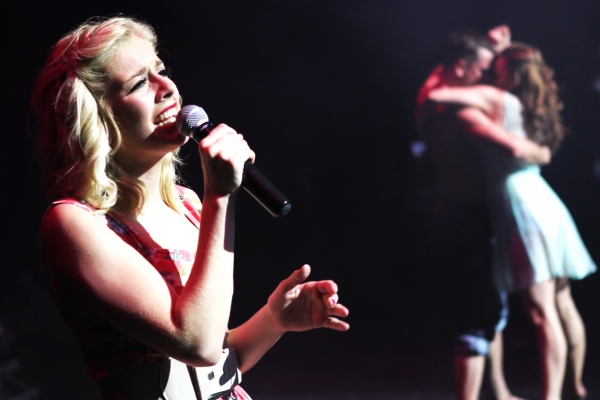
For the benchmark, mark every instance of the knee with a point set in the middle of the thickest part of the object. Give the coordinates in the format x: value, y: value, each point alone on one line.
x: 565, y: 303
x: 540, y: 317
x: 536, y: 315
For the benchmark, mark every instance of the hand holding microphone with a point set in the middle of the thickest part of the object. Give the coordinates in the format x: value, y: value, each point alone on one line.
x: 192, y: 121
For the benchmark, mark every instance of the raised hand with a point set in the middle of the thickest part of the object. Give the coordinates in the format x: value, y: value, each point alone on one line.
x: 223, y: 153
x: 296, y: 305
x: 500, y: 37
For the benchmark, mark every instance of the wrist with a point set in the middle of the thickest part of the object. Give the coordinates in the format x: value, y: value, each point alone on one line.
x: 270, y: 322
x: 212, y: 196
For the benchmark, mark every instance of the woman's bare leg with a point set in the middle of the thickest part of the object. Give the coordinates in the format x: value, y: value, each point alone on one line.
x: 576, y: 338
x: 500, y: 389
x: 540, y: 303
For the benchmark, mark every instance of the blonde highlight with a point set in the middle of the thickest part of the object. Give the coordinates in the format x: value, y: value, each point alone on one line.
x: 79, y: 134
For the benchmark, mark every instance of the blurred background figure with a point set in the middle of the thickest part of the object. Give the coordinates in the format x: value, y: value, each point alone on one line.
x: 461, y: 234
x: 538, y: 248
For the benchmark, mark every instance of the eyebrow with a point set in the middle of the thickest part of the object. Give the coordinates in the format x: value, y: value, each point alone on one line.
x: 142, y: 70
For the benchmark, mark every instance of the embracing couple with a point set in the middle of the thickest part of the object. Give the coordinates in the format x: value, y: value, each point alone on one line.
x: 498, y: 226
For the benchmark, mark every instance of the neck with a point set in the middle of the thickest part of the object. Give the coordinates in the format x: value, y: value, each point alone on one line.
x: 149, y: 175
x: 151, y: 181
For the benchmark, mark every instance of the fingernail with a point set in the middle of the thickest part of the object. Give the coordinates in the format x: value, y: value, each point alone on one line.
x: 332, y: 302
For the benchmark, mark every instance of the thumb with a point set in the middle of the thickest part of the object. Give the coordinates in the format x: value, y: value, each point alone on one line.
x: 297, y: 277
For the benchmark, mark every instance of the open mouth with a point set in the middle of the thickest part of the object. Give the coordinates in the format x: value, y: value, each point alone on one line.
x: 167, y: 117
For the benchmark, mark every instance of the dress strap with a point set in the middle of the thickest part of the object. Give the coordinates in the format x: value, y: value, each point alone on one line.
x: 78, y: 203
x: 75, y: 202
x: 128, y: 234
x: 192, y: 204
x: 188, y: 197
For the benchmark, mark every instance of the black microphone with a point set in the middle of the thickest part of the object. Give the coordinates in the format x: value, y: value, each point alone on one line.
x: 192, y: 121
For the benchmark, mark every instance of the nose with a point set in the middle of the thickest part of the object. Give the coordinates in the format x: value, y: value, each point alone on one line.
x: 165, y: 87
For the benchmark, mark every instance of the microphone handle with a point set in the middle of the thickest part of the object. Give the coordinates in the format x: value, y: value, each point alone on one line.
x: 253, y: 181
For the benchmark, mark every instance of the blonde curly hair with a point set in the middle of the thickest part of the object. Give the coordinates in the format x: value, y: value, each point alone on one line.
x: 538, y: 92
x: 79, y: 134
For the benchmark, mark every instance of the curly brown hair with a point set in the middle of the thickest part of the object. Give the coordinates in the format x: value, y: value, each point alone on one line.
x: 537, y: 90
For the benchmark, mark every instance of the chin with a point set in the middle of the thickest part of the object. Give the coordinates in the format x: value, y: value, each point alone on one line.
x: 170, y: 133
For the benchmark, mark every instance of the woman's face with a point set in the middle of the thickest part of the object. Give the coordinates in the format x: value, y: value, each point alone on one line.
x: 505, y: 78
x: 143, y: 100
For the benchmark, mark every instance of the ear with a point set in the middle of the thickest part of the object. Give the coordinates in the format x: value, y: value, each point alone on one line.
x: 460, y: 68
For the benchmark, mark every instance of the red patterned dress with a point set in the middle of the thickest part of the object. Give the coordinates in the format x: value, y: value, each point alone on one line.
x: 106, y: 349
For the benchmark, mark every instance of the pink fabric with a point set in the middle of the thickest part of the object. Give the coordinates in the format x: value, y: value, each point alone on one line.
x: 240, y: 394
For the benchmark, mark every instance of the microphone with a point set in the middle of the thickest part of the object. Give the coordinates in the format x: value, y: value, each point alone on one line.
x: 192, y: 121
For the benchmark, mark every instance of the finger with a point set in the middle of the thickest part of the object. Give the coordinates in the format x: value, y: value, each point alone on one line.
x: 327, y: 287
x: 213, y: 148
x: 336, y: 324
x: 224, y: 144
x: 338, y: 311
x: 219, y: 131
x: 296, y: 278
x: 330, y: 300
x: 236, y: 151
x: 252, y: 158
x: 244, y: 152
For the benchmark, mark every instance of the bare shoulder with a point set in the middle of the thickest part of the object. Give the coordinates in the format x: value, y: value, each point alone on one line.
x: 494, y: 102
x: 75, y: 243
x: 67, y: 216
x: 69, y: 231
x: 70, y: 224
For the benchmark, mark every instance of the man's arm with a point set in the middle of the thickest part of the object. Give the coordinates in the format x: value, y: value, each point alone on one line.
x: 476, y: 123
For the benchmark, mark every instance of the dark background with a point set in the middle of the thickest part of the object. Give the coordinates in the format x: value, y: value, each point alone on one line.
x: 324, y: 92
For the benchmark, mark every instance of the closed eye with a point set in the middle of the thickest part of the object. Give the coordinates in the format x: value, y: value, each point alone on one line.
x: 166, y: 72
x: 138, y: 85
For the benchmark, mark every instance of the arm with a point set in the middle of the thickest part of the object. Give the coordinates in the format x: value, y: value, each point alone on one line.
x: 84, y: 256
x: 293, y: 306
x: 476, y: 123
x: 487, y: 98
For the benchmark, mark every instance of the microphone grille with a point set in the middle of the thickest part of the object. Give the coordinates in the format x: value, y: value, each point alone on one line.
x: 189, y: 118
